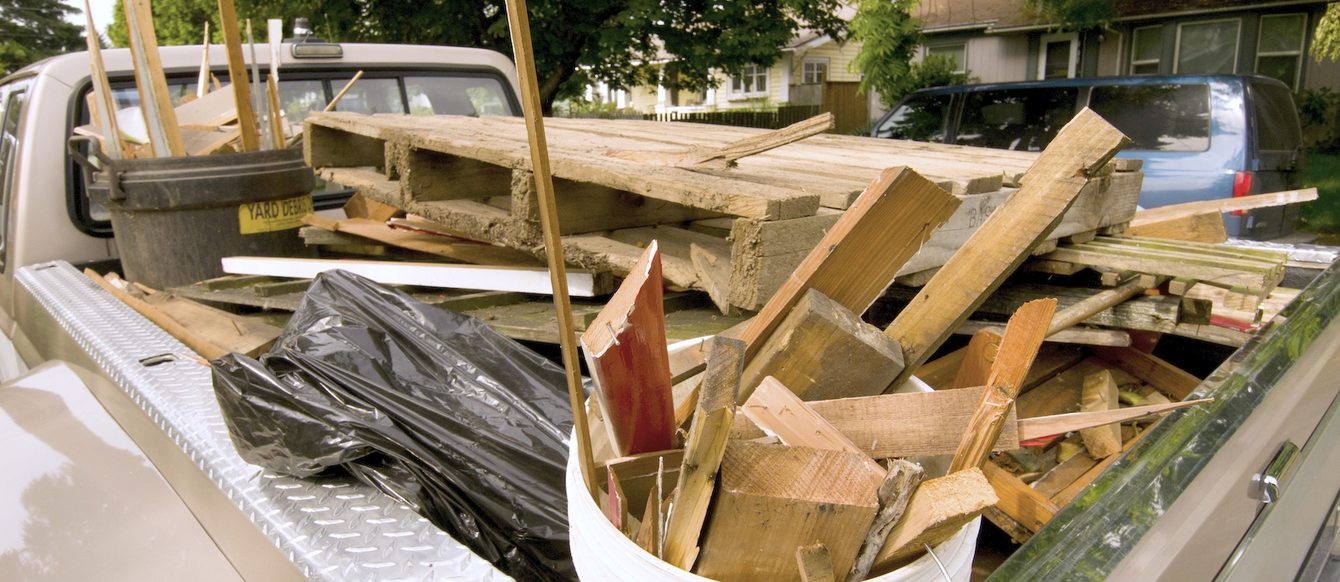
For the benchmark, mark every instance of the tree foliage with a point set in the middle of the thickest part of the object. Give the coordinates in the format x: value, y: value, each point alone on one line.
x: 31, y: 30
x: 624, y: 43
x: 1326, y: 41
x: 889, y: 36
x: 1073, y: 14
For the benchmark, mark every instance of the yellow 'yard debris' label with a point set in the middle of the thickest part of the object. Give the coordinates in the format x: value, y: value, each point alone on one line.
x: 273, y: 215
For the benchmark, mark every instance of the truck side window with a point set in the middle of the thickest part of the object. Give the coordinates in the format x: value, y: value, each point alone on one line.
x: 9, y: 145
x: 1171, y: 118
x: 1015, y: 119
x: 920, y: 118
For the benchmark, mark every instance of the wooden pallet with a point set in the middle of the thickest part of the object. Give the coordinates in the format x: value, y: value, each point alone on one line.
x: 621, y: 183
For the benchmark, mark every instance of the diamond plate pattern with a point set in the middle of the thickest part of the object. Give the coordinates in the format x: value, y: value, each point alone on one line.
x: 332, y: 528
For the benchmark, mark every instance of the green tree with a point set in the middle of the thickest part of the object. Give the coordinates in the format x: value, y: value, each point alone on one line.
x: 31, y: 30
x: 1073, y: 14
x: 889, y: 36
x: 624, y: 43
x: 1326, y: 41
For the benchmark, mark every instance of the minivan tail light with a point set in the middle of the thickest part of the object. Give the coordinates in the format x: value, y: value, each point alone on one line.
x: 1242, y: 186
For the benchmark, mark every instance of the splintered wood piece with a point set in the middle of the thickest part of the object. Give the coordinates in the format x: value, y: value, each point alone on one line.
x: 823, y: 351
x: 1100, y: 395
x: 815, y: 563
x: 626, y: 352
x: 937, y: 510
x: 1100, y: 301
x: 1151, y: 216
x: 978, y: 358
x: 775, y: 498
x: 102, y: 91
x: 894, y: 494
x: 703, y: 449
x: 616, y: 509
x: 1018, y: 347
x: 1043, y: 426
x: 1049, y: 188
x: 232, y: 332
x: 901, y: 425
x: 361, y: 206
x: 1162, y: 376
x: 757, y: 144
x: 237, y: 76
x: 713, y: 271
x: 777, y: 410
x: 1017, y: 500
x: 859, y: 256
x: 160, y: 119
x: 199, y: 345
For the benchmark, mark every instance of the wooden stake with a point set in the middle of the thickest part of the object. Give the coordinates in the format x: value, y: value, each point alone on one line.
x: 1044, y: 426
x: 519, y: 22
x: 237, y: 75
x: 155, y: 103
x: 1023, y: 336
x: 102, y: 91
x: 202, y: 80
x: 345, y: 89
x: 259, y: 102
x: 275, y: 38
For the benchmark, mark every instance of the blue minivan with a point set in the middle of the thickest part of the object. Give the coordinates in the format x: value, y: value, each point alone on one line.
x: 1200, y: 136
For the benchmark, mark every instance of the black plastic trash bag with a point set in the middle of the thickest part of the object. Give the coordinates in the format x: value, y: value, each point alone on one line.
x: 432, y: 407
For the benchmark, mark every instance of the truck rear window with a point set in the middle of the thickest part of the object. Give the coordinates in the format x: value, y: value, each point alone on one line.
x: 1275, y: 118
x: 920, y: 118
x: 1015, y: 119
x: 1173, y: 118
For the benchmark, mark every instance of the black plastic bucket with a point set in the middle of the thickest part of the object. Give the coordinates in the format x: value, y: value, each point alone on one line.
x: 175, y: 218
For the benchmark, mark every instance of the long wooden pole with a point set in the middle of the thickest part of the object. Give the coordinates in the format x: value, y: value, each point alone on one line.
x: 102, y: 91
x: 519, y: 23
x: 237, y: 75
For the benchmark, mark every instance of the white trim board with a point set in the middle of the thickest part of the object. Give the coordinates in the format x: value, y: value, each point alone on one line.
x: 475, y: 277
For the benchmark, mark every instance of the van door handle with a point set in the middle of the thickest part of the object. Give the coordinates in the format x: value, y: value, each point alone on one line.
x: 1276, y: 475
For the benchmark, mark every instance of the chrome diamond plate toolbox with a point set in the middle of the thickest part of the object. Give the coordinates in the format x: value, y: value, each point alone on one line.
x: 332, y: 528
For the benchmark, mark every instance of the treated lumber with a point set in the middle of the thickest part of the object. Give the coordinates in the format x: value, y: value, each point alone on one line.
x: 105, y: 104
x: 775, y: 498
x: 894, y: 494
x: 1043, y: 426
x: 461, y: 250
x: 1017, y: 500
x: 938, y: 509
x: 1100, y: 395
x: 626, y: 352
x: 1018, y: 347
x: 1175, y: 382
x: 703, y: 450
x: 822, y: 351
x: 815, y: 563
x: 237, y: 76
x: 207, y: 349
x: 901, y: 425
x: 480, y: 277
x: 1151, y: 216
x: 160, y: 119
x: 1082, y: 148
x: 777, y: 410
x: 857, y: 259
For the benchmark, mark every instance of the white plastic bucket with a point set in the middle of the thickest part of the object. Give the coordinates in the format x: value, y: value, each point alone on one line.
x: 601, y: 552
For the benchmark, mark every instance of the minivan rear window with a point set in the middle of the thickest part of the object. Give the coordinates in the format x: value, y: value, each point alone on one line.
x: 1275, y: 118
x: 920, y: 118
x: 1015, y: 119
x: 1173, y: 117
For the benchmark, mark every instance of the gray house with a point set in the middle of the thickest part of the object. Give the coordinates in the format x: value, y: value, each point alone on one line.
x: 998, y: 41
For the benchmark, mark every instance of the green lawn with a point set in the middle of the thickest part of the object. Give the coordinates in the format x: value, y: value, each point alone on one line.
x: 1323, y: 172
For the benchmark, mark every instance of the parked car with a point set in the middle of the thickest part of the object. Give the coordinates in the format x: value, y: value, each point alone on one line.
x: 1200, y: 136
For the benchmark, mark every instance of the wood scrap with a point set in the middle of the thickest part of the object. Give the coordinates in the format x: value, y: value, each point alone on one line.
x: 727, y: 155
x: 237, y: 75
x: 703, y: 450
x: 1081, y: 149
x: 461, y: 250
x: 202, y: 79
x: 199, y: 345
x: 1017, y: 500
x: 232, y: 332
x: 1253, y: 270
x: 1152, y: 216
x: 815, y: 563
x: 1018, y: 347
x: 209, y: 112
x: 937, y: 510
x: 822, y: 351
x: 105, y: 105
x: 1100, y: 395
x: 894, y: 495
x: 777, y: 410
x: 1086, y: 308
x: 160, y: 119
x: 1204, y: 228
x: 1042, y: 426
x: 1082, y: 335
x: 360, y: 206
x: 978, y: 358
x: 1158, y: 373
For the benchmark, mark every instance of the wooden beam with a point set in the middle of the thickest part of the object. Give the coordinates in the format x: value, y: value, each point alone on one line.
x: 1044, y: 426
x: 903, y: 479
x: 815, y: 563
x: 1100, y: 395
x: 160, y: 119
x: 102, y: 91
x: 483, y: 278
x: 703, y: 450
x: 1080, y: 150
x: 1018, y: 347
x: 237, y: 76
x: 938, y: 509
x: 1151, y: 216
x: 901, y: 425
x: 857, y: 259
x: 626, y: 352
x: 822, y: 351
x: 1162, y: 376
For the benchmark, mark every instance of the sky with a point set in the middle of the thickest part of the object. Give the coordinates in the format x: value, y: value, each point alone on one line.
x: 102, y: 13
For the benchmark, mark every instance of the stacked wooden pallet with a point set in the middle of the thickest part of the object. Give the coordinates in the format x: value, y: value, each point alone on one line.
x: 731, y: 222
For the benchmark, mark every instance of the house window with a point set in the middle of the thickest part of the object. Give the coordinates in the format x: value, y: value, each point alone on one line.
x: 1279, y: 50
x: 814, y: 71
x: 957, y: 52
x: 1146, y: 44
x: 752, y: 79
x: 1207, y: 47
x: 1058, y: 57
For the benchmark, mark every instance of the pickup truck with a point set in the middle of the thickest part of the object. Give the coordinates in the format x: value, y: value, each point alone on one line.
x: 116, y: 463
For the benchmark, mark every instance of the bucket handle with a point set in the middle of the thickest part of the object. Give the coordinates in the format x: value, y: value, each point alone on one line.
x: 88, y: 168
